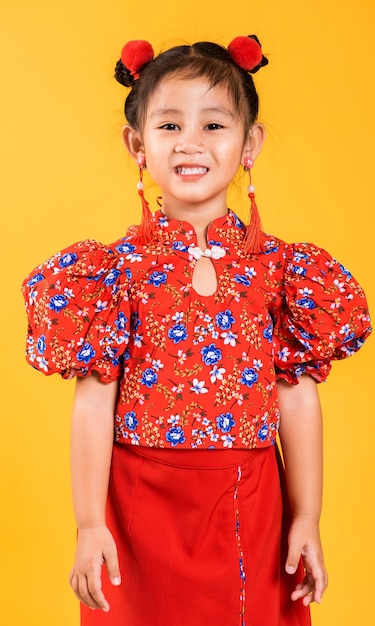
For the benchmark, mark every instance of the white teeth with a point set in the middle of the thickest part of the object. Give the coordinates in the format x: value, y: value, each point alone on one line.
x: 192, y: 171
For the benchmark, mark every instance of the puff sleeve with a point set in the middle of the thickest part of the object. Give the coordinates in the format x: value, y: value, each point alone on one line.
x: 324, y: 315
x: 78, y: 312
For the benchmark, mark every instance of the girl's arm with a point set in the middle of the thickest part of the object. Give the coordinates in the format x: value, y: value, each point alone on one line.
x: 301, y: 440
x: 91, y: 451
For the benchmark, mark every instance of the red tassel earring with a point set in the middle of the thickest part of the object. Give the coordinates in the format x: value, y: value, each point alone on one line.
x: 147, y: 226
x: 253, y: 237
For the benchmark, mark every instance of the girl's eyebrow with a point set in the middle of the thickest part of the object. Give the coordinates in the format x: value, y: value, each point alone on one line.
x: 210, y: 110
x: 219, y: 110
x: 161, y: 112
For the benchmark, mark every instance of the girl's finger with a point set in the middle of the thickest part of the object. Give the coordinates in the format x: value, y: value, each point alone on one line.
x: 80, y: 588
x: 305, y: 589
x: 83, y: 594
x: 94, y: 586
x: 321, y: 584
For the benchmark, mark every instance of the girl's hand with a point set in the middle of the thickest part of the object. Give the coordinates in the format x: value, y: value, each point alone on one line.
x: 304, y: 540
x: 95, y: 546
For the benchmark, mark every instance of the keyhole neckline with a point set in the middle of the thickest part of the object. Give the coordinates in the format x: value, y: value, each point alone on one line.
x: 225, y: 235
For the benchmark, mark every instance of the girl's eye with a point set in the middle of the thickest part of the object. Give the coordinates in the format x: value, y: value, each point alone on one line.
x: 169, y: 126
x: 214, y: 126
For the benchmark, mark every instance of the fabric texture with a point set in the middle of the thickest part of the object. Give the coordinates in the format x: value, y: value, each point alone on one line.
x: 195, y: 371
x: 199, y: 535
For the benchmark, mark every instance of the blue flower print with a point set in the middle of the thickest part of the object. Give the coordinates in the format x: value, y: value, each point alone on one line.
x: 178, y: 333
x: 299, y: 256
x: 349, y: 338
x: 271, y: 247
x: 121, y: 321
x: 225, y: 422
x: 345, y: 271
x: 211, y: 354
x: 128, y: 273
x: 249, y: 376
x: 41, y: 344
x: 109, y: 351
x: 149, y: 377
x: 303, y: 333
x: 237, y: 221
x: 301, y: 369
x: 111, y: 277
x: 35, y: 279
x: 86, y: 353
x: 163, y: 221
x: 175, y: 435
x: 135, y: 321
x: 130, y: 420
x: 179, y: 245
x: 268, y: 333
x: 225, y: 319
x: 263, y: 432
x: 346, y: 332
x: 157, y: 278
x: 242, y: 280
x: 246, y: 278
x: 58, y: 302
x: 125, y: 248
x: 68, y: 259
x: 306, y: 303
x: 96, y: 277
x: 296, y: 269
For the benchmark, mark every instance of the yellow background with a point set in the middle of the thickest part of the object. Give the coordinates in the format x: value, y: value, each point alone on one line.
x: 65, y: 177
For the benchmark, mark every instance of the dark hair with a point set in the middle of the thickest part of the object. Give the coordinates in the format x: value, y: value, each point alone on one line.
x: 202, y: 59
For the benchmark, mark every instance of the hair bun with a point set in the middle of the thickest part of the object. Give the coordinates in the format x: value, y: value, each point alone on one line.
x: 247, y: 53
x: 122, y: 74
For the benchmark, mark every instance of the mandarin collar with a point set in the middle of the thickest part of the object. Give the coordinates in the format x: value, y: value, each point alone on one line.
x: 227, y: 231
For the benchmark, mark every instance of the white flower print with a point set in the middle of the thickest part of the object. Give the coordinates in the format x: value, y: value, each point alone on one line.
x: 229, y: 338
x: 134, y: 257
x: 217, y: 373
x: 227, y: 441
x: 340, y: 286
x: 283, y: 354
x: 198, y: 386
x: 101, y: 306
x: 43, y: 363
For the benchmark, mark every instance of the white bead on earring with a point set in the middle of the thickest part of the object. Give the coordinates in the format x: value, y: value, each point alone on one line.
x: 248, y: 164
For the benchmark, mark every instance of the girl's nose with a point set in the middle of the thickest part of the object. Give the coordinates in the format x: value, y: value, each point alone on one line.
x: 189, y: 143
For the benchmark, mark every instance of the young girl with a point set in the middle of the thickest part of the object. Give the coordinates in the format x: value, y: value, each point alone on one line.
x: 195, y: 340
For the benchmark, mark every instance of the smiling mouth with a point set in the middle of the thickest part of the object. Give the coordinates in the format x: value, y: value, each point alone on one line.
x: 191, y: 171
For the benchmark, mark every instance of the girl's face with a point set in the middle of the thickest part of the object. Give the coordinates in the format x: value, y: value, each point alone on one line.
x: 193, y: 140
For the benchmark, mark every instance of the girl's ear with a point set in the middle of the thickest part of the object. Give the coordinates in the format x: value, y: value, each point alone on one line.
x: 255, y: 141
x: 133, y: 142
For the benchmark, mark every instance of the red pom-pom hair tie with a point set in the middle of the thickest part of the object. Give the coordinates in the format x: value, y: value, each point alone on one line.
x: 247, y: 53
x: 135, y: 54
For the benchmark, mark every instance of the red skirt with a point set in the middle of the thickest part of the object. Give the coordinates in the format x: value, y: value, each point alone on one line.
x: 201, y: 540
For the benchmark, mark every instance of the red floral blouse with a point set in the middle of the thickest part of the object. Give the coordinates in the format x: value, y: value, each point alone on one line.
x: 195, y: 371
